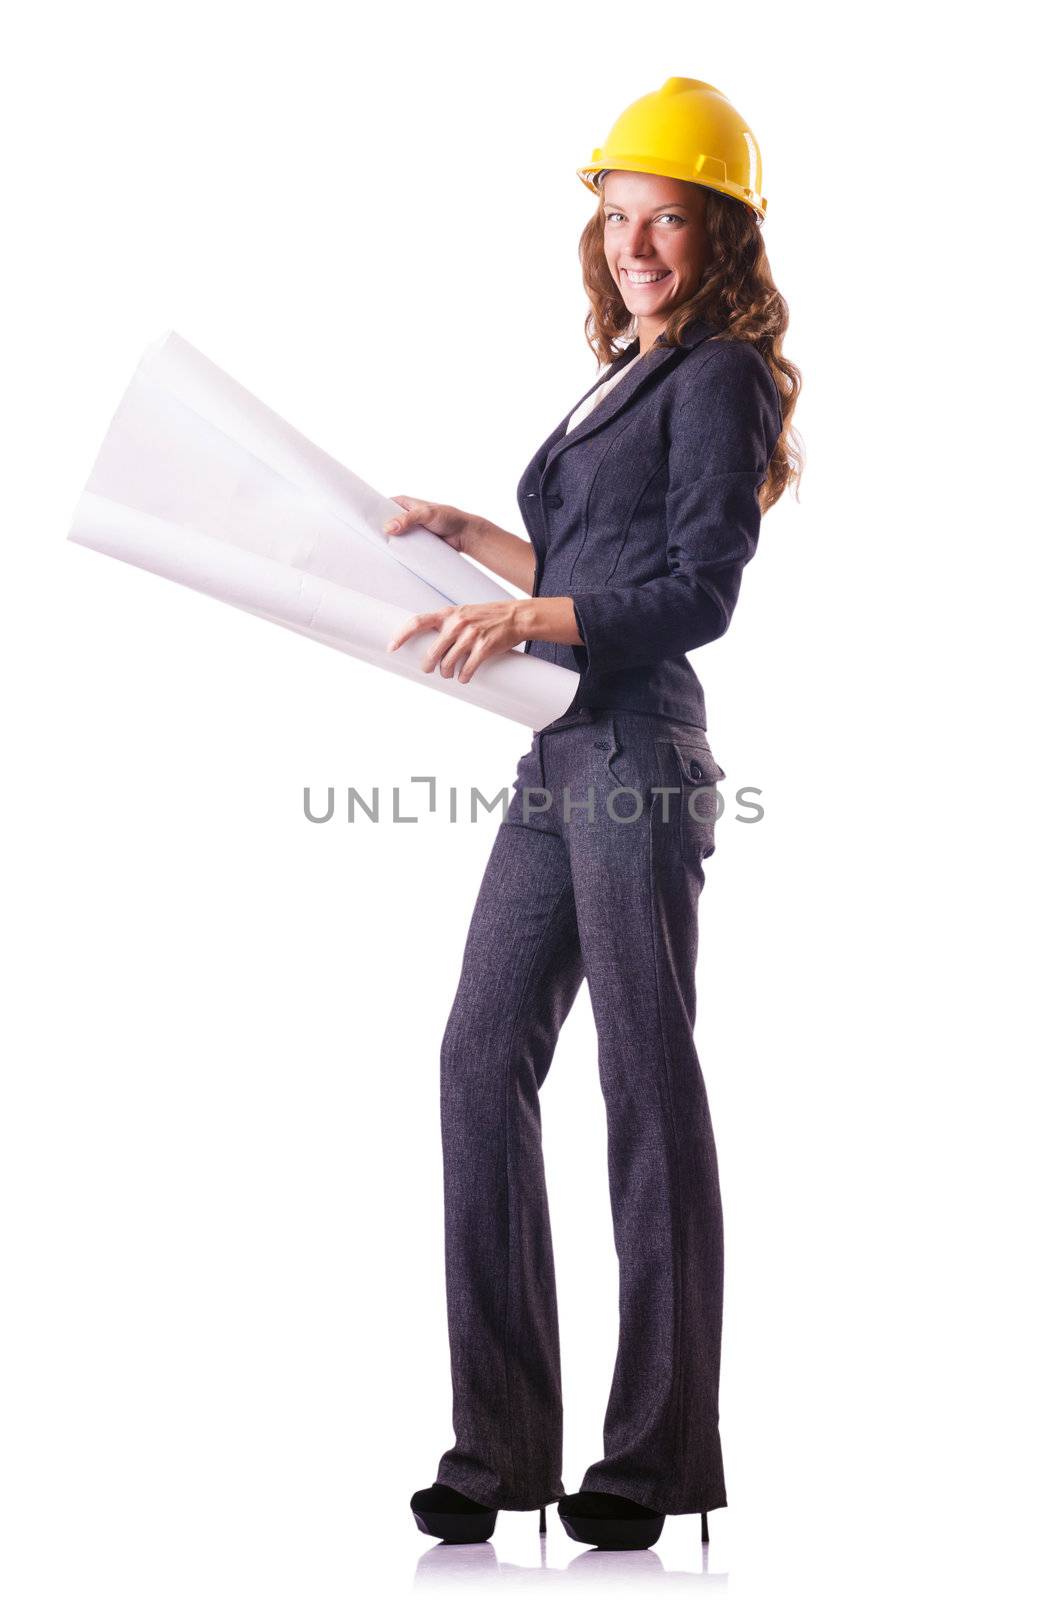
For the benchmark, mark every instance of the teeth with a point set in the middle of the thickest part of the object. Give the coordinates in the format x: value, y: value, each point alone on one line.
x: 646, y: 277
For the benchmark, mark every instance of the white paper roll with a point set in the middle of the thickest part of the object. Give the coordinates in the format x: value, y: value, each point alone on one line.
x: 198, y: 481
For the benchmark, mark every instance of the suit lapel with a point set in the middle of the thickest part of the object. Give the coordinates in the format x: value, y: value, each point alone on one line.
x: 618, y: 398
x: 561, y: 427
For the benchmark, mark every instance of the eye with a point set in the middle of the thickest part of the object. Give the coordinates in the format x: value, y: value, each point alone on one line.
x: 673, y: 214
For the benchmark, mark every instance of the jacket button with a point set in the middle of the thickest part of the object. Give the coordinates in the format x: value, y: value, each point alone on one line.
x: 695, y: 769
x: 553, y: 500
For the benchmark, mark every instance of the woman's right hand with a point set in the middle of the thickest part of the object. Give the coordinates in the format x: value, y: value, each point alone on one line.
x: 457, y: 528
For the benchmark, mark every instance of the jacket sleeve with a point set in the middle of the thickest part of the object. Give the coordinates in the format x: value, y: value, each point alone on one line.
x: 722, y: 436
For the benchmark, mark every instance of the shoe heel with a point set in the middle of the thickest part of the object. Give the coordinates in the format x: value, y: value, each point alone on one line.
x: 541, y: 1525
x: 703, y: 1534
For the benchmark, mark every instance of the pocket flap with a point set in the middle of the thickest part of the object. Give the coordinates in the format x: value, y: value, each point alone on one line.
x: 698, y: 764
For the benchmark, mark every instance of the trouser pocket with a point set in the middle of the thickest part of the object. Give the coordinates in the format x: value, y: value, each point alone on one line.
x: 692, y: 774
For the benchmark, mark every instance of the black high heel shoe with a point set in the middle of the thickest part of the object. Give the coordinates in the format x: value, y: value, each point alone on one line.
x: 445, y: 1513
x: 602, y: 1519
x: 610, y: 1521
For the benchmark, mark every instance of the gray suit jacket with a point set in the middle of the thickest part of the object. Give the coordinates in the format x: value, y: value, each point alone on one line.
x: 646, y: 514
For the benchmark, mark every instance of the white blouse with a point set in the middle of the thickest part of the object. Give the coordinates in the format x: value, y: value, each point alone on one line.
x: 591, y: 401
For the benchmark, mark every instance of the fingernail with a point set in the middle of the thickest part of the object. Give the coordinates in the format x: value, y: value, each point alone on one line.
x: 388, y: 527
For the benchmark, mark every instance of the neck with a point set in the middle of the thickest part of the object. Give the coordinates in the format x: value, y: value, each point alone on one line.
x: 648, y: 330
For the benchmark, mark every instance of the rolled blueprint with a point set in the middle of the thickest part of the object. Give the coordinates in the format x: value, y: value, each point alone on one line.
x: 198, y: 481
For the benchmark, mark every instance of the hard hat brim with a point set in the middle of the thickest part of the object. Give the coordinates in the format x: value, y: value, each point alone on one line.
x: 661, y: 168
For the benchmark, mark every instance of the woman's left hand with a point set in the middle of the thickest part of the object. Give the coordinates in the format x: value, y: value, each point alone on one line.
x: 475, y: 631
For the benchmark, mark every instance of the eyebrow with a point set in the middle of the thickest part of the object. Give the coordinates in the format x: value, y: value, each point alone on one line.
x: 665, y: 205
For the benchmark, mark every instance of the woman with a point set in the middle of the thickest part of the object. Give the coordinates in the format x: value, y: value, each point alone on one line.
x: 642, y: 506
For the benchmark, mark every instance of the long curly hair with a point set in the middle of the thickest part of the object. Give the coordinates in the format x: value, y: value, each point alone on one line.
x: 737, y: 294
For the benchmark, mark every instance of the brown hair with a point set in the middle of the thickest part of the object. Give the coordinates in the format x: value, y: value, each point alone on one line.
x: 737, y: 295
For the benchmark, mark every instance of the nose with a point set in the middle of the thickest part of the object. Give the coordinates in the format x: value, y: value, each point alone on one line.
x: 639, y: 243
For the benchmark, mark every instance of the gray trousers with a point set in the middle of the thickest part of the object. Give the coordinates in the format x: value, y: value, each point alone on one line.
x: 568, y: 893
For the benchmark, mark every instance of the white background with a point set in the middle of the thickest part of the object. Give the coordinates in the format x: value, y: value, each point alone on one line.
x: 224, y: 1359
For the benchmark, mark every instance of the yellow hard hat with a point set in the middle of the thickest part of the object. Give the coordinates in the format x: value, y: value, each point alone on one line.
x: 687, y: 129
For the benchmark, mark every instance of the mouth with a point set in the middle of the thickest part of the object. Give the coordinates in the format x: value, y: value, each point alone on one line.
x: 646, y: 280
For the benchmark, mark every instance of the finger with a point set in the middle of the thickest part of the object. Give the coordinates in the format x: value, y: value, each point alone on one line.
x: 419, y: 623
x: 450, y: 628
x: 415, y: 511
x: 478, y: 655
x: 460, y: 647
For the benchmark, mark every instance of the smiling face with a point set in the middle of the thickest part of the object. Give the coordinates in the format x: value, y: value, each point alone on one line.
x: 655, y: 243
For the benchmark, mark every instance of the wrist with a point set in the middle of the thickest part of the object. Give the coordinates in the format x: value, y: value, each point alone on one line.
x: 527, y: 618
x: 475, y: 535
